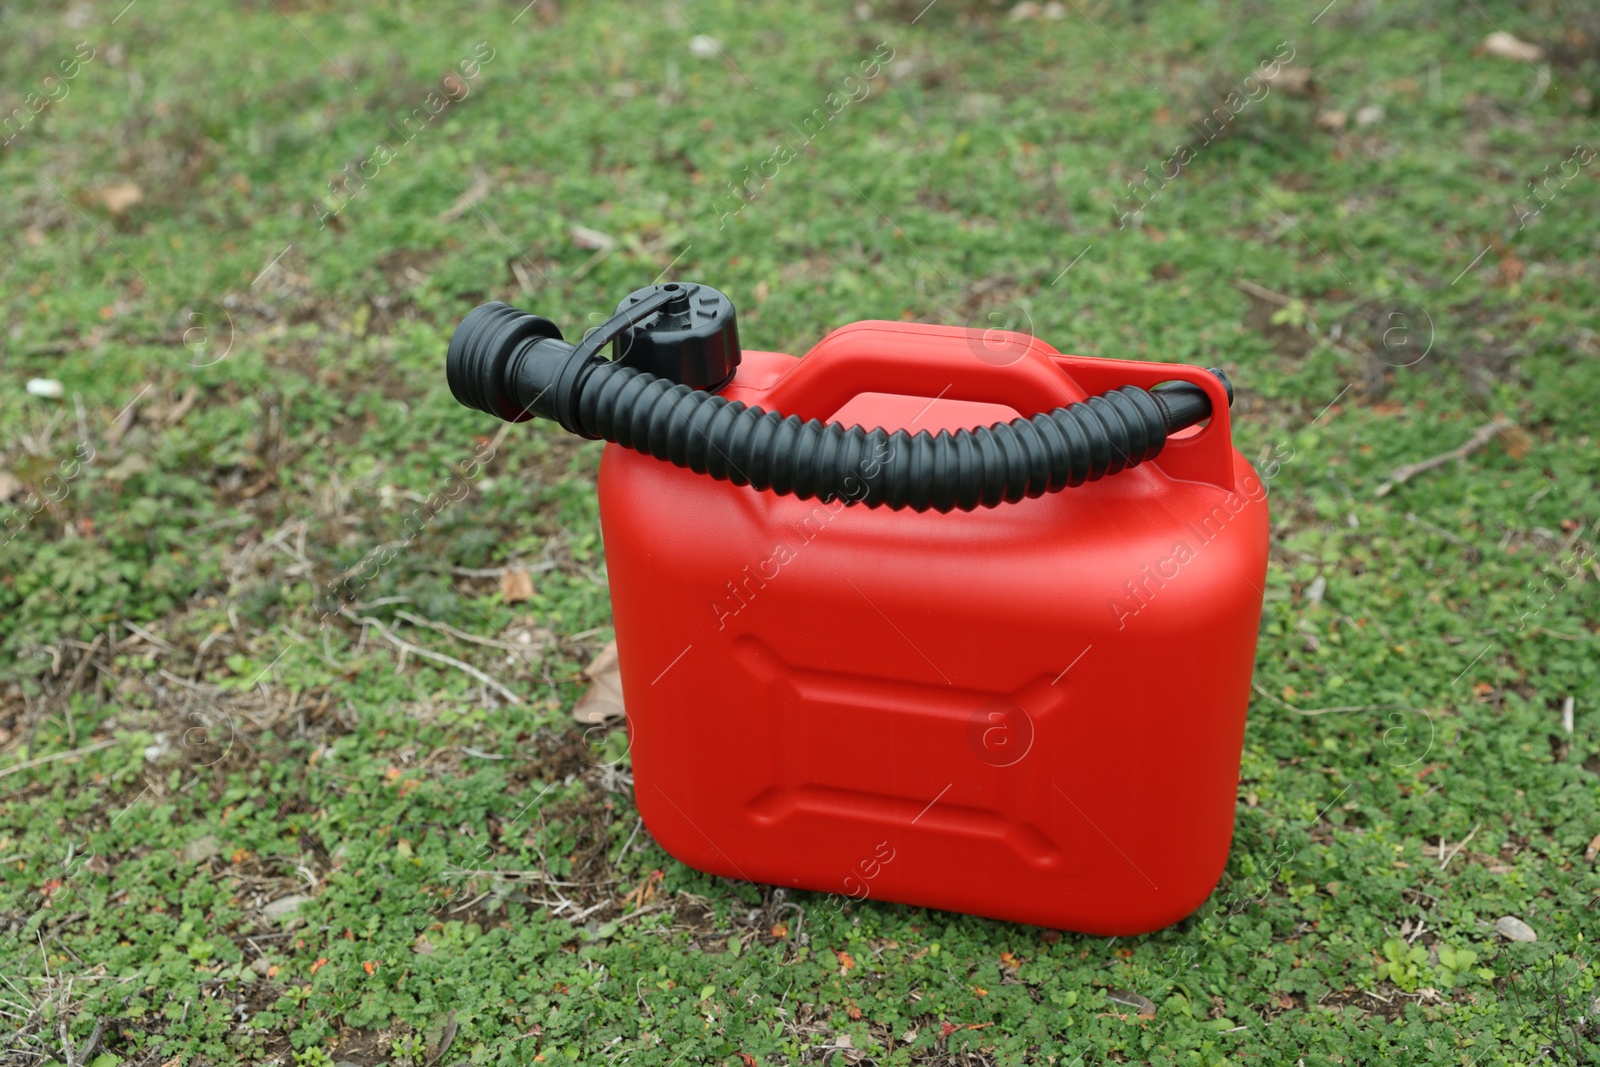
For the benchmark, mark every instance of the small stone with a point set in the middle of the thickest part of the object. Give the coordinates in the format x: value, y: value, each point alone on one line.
x: 1368, y: 115
x: 48, y: 388
x: 282, y: 910
x: 703, y: 47
x: 154, y: 753
x: 201, y: 849
x: 1514, y: 929
x: 1314, y: 591
x: 1505, y: 46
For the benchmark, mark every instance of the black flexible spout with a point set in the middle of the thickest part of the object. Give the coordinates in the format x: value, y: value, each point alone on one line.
x: 514, y: 365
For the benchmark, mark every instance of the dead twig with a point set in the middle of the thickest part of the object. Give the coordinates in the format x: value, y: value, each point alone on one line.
x: 40, y: 761
x: 488, y: 572
x: 646, y: 910
x: 140, y: 631
x: 1444, y: 860
x: 79, y: 1057
x: 475, y: 192
x: 124, y: 420
x: 1404, y: 474
x: 1329, y: 711
x: 438, y: 657
x: 460, y: 635
x: 77, y: 679
x: 1263, y: 293
x: 186, y: 402
x: 470, y: 903
x: 1439, y: 531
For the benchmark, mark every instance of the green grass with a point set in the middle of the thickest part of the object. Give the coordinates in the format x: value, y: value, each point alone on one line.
x: 188, y: 736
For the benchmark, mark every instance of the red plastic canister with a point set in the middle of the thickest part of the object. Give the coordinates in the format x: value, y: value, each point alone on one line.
x: 1032, y: 712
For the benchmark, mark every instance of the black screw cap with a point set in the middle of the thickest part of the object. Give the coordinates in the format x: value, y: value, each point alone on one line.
x: 694, y: 339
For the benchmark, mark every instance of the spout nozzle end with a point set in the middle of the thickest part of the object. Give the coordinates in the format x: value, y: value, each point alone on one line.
x: 480, y: 352
x: 1185, y: 404
x: 1220, y: 375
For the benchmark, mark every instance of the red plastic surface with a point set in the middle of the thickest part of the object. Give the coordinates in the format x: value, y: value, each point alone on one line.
x: 1032, y: 712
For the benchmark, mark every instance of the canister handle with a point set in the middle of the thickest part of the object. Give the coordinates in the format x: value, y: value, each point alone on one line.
x: 912, y: 359
x: 993, y: 367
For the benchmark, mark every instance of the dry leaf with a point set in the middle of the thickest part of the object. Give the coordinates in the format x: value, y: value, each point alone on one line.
x: 1511, y: 269
x: 516, y: 585
x: 1593, y: 851
x: 602, y: 701
x: 118, y: 197
x: 441, y: 1036
x: 1505, y: 46
x: 644, y: 892
x: 1331, y: 120
x: 1516, y: 441
x: 1141, y: 1004
x: 1294, y: 81
x: 9, y: 486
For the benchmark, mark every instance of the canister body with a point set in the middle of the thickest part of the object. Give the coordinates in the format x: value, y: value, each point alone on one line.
x: 1032, y: 712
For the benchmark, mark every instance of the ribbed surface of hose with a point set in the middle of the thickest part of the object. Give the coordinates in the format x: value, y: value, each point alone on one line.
x: 958, y: 471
